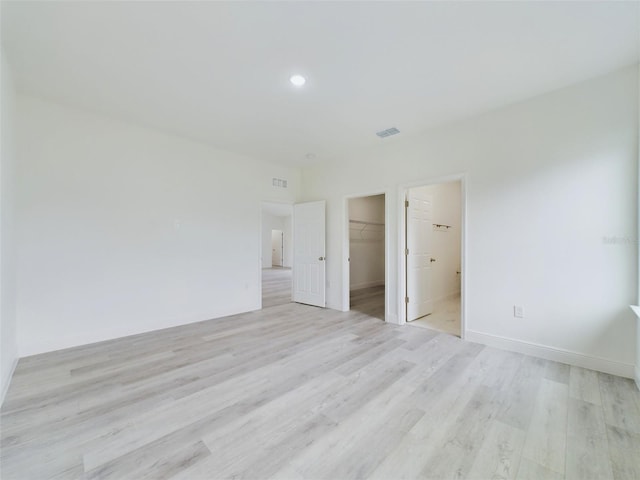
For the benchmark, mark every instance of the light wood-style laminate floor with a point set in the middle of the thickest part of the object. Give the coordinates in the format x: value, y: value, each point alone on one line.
x: 294, y: 392
x: 276, y: 286
x: 369, y: 301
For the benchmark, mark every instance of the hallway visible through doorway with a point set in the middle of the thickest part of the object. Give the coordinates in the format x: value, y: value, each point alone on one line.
x: 276, y: 252
x: 276, y: 286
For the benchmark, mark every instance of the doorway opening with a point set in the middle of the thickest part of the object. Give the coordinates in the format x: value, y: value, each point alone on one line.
x: 276, y: 253
x: 433, y: 256
x: 367, y: 255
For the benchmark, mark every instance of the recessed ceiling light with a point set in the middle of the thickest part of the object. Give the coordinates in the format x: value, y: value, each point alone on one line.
x: 298, y: 80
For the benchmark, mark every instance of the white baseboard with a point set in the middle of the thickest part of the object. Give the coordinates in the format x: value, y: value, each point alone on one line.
x: 5, y: 388
x: 556, y: 354
x: 88, y: 338
x: 375, y: 283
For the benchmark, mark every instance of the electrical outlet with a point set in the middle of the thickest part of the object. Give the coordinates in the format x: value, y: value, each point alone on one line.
x: 518, y: 311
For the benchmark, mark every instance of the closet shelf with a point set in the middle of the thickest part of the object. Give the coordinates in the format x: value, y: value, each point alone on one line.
x: 360, y: 222
x: 362, y: 226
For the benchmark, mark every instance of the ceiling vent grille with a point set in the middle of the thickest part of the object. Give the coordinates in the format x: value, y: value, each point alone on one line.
x: 388, y: 132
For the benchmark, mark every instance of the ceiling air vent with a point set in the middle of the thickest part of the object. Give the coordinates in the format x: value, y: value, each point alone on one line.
x: 388, y: 132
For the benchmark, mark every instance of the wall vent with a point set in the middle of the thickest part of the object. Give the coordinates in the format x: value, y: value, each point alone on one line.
x: 388, y: 132
x: 279, y: 182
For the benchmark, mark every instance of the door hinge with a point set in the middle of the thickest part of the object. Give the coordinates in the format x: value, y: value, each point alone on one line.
x: 406, y: 299
x: 406, y: 251
x: 406, y: 203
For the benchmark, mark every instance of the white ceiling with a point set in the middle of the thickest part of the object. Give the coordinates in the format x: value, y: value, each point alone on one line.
x: 218, y: 72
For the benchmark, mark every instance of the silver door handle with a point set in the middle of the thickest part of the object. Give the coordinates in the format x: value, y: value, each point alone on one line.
x: 432, y: 260
x: 321, y: 258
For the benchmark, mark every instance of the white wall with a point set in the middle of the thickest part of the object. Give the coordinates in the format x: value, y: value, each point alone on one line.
x: 366, y: 242
x: 445, y: 243
x: 8, y: 345
x: 546, y: 180
x: 123, y: 229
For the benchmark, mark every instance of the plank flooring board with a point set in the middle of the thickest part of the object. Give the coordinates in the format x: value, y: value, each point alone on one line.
x: 620, y: 402
x: 530, y: 470
x: 505, y: 371
x: 274, y: 457
x: 587, y: 446
x: 461, y: 444
x: 300, y: 392
x: 499, y: 453
x: 522, y: 392
x: 583, y: 385
x: 417, y: 340
x: 547, y: 434
x: 142, y: 458
x: 355, y: 394
x: 376, y: 351
x: 624, y: 448
x: 362, y: 457
x: 557, y: 372
x: 448, y: 372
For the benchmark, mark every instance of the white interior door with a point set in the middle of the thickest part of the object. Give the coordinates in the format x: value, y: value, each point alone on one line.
x: 418, y: 254
x: 309, y: 253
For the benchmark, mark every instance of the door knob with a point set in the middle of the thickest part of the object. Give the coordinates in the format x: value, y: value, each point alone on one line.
x: 321, y: 258
x: 432, y: 260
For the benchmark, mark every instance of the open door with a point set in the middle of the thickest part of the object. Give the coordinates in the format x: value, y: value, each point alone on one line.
x: 309, y: 253
x: 418, y: 254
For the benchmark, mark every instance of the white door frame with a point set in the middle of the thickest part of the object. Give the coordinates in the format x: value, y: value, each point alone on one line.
x: 402, y: 278
x: 388, y: 205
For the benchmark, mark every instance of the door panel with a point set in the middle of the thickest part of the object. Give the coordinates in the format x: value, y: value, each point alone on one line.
x: 419, y: 260
x: 309, y: 253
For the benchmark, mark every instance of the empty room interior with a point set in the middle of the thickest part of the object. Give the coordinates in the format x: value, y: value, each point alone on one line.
x: 319, y: 240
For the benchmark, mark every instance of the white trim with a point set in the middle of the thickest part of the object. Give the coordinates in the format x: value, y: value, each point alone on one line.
x: 5, y: 388
x: 550, y: 353
x: 389, y: 316
x: 401, y: 281
x: 636, y: 310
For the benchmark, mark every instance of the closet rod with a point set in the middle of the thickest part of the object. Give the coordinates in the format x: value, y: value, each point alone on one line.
x: 360, y: 222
